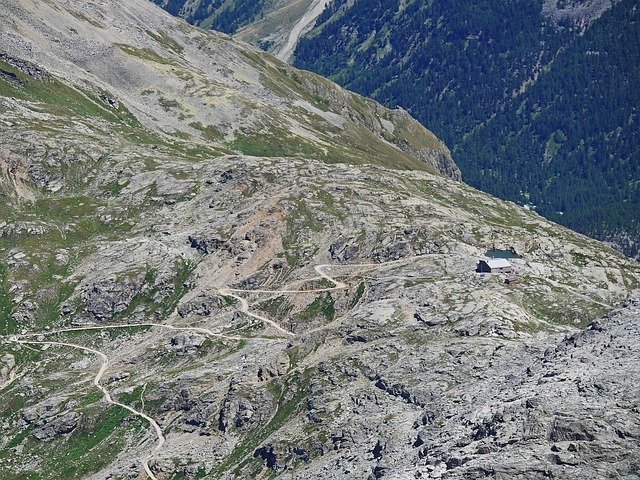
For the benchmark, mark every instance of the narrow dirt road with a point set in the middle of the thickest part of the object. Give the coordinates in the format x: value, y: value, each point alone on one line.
x: 244, y: 307
x: 107, y: 396
x: 206, y: 331
x: 320, y: 270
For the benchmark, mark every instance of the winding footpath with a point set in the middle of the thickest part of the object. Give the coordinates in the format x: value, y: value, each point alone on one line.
x: 320, y: 270
x: 105, y: 365
x: 322, y: 274
x: 244, y: 308
x: 205, y: 331
x: 107, y: 396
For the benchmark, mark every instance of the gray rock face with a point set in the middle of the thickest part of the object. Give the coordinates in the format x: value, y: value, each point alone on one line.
x: 7, y: 366
x: 243, y: 411
x: 578, y: 12
x: 24, y: 313
x: 186, y: 344
x: 207, y: 243
x: 344, y: 251
x: 49, y: 428
x: 528, y: 402
x: 281, y: 457
x: 235, y: 414
x: 567, y: 429
x: 106, y: 299
x: 203, y: 305
x: 418, y: 398
x: 11, y: 78
x: 395, y: 251
x: 26, y: 67
x: 278, y: 367
x: 181, y: 401
x: 441, y: 162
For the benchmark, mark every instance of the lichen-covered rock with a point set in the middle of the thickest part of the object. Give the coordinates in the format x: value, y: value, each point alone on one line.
x: 203, y: 305
x: 47, y: 429
x: 186, y: 343
x: 105, y: 299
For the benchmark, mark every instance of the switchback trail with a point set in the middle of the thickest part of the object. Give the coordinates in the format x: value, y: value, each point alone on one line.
x: 244, y: 307
x: 105, y: 364
x: 320, y: 270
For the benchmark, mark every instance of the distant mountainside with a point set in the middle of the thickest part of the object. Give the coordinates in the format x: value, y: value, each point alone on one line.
x: 268, y: 24
x: 216, y: 266
x: 223, y: 15
x: 537, y: 100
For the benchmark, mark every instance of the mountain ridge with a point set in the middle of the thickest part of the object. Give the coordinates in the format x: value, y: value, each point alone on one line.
x: 161, y: 54
x: 480, y: 89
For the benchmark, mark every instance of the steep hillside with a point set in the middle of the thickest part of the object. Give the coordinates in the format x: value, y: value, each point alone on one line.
x: 580, y: 132
x: 213, y: 265
x: 198, y: 90
x: 536, y: 99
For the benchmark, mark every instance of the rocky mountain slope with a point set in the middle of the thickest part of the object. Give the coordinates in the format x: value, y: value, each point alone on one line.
x: 213, y: 265
x: 198, y: 89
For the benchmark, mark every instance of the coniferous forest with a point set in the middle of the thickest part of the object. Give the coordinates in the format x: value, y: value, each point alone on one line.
x: 537, y: 108
x: 222, y: 15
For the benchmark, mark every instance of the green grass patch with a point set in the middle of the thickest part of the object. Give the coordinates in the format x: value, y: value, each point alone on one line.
x: 210, y: 132
x: 229, y: 300
x: 50, y: 308
x: 166, y: 41
x: 78, y: 456
x: 12, y: 403
x: 275, y: 143
x: 84, y: 18
x: 299, y: 220
x: 61, y: 98
x: 169, y: 104
x: 166, y: 305
x: 7, y: 324
x: 146, y: 54
x: 19, y: 438
x: 358, y: 295
x: 277, y: 307
x: 321, y: 306
x: 23, y: 475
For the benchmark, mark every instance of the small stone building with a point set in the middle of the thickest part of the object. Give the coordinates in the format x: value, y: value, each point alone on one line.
x: 494, y: 265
